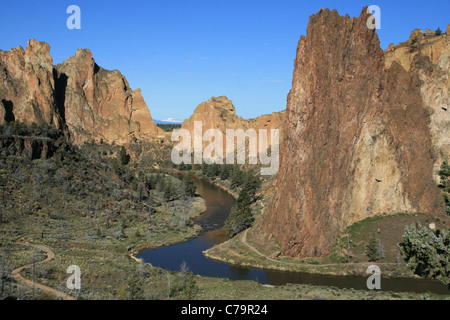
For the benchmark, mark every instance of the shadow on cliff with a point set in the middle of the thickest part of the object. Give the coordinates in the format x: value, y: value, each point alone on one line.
x: 60, y: 93
x: 9, y: 114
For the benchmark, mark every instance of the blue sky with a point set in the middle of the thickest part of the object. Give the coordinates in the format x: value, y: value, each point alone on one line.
x: 182, y: 52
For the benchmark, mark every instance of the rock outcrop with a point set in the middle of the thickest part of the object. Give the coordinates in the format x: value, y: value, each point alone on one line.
x: 220, y: 113
x: 90, y: 103
x: 99, y: 104
x: 31, y: 143
x: 419, y: 43
x: 357, y: 141
x: 27, y: 87
x: 429, y: 58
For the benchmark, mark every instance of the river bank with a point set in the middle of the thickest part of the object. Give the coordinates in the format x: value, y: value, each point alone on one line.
x: 248, y: 265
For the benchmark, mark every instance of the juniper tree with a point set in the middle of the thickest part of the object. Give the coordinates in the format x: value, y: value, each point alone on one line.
x: 241, y: 216
x: 189, y: 185
x: 123, y: 156
x: 372, y: 251
x: 225, y: 171
x: 237, y: 177
x: 427, y: 252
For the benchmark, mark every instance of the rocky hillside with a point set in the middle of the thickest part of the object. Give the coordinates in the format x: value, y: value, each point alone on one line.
x: 428, y: 56
x: 88, y: 102
x: 359, y: 137
x: 220, y: 113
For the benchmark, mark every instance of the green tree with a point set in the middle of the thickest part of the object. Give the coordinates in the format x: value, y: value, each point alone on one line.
x: 204, y: 168
x: 169, y: 190
x: 427, y: 252
x: 237, y: 177
x: 438, y: 31
x: 241, y: 216
x: 189, y: 184
x: 251, y: 183
x: 191, y: 286
x: 213, y: 170
x: 225, y: 171
x: 124, y: 157
x: 372, y: 251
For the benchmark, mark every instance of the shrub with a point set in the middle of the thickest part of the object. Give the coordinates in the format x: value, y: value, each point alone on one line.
x: 427, y: 252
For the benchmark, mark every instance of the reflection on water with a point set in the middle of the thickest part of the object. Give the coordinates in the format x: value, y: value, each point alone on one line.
x: 219, y: 204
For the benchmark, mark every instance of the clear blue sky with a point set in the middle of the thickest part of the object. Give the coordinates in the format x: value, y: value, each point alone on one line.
x: 182, y: 52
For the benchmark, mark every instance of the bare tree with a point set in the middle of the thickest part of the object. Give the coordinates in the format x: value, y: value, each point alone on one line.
x: 184, y: 269
x: 169, y: 282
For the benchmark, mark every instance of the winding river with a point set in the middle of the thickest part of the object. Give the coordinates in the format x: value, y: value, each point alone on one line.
x: 219, y: 203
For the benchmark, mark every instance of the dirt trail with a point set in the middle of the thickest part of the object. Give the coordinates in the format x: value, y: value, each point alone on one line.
x: 50, y: 255
x: 244, y: 241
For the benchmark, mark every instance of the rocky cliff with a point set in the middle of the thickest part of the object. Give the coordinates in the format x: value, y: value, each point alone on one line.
x: 220, y: 113
x: 31, y: 142
x: 427, y: 55
x: 357, y: 138
x: 79, y: 96
x: 27, y: 86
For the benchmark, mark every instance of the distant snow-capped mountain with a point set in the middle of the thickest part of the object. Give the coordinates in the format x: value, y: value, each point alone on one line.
x: 168, y: 121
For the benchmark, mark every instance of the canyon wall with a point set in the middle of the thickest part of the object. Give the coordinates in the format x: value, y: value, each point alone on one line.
x: 427, y: 55
x: 357, y: 138
x: 90, y: 103
x: 220, y: 113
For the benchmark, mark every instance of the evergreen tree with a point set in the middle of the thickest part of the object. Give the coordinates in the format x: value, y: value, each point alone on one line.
x: 213, y: 170
x: 237, y: 177
x: 372, y: 250
x: 191, y: 286
x: 204, y: 168
x: 124, y: 158
x: 251, y: 183
x: 427, y: 252
x: 170, y: 192
x: 241, y: 216
x: 189, y: 185
x: 225, y: 171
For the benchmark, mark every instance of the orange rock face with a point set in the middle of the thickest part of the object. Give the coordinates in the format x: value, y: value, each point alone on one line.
x: 87, y: 101
x: 427, y: 44
x: 27, y: 85
x: 429, y: 59
x: 220, y: 113
x: 356, y: 139
x: 99, y: 104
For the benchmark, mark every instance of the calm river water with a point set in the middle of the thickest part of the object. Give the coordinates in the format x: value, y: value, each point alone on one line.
x: 219, y: 203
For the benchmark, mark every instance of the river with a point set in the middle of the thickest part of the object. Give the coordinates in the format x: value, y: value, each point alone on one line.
x: 219, y: 203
